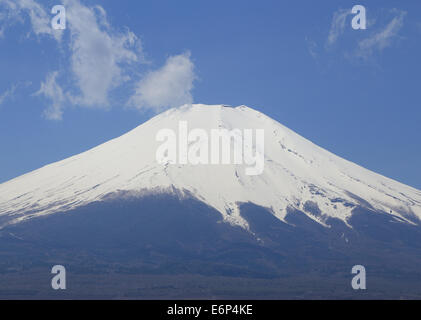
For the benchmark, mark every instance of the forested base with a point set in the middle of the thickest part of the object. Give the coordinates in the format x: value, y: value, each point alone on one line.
x: 162, y: 247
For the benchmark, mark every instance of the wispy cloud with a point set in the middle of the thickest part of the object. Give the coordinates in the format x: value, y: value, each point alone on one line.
x: 96, y: 50
x: 312, y: 47
x: 382, y: 38
x: 10, y: 92
x: 382, y: 32
x: 7, y: 94
x: 3, y: 17
x: 337, y: 26
x: 101, y: 59
x: 52, y: 90
x: 40, y: 19
x: 168, y: 86
x: 98, y: 53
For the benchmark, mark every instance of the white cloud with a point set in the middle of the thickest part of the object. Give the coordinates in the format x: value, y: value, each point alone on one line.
x: 363, y: 43
x: 169, y: 86
x: 383, y: 38
x: 100, y: 60
x: 10, y: 92
x: 2, y: 27
x: 312, y: 47
x: 97, y: 53
x: 7, y: 94
x: 52, y: 90
x: 40, y: 19
x: 338, y: 25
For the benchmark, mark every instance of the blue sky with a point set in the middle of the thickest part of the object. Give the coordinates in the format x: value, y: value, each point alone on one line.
x: 354, y: 92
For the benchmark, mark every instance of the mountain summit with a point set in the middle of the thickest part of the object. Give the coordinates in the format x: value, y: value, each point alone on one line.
x: 297, y: 174
x: 205, y: 201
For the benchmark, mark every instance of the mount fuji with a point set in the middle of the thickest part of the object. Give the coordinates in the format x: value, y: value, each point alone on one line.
x: 116, y: 209
x: 298, y: 174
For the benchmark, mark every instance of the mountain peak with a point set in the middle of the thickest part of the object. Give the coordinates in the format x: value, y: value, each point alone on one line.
x: 297, y: 174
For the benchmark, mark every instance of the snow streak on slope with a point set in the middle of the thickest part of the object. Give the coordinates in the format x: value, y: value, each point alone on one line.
x: 297, y: 174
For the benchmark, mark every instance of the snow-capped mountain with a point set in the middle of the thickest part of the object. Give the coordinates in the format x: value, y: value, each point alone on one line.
x: 297, y: 174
